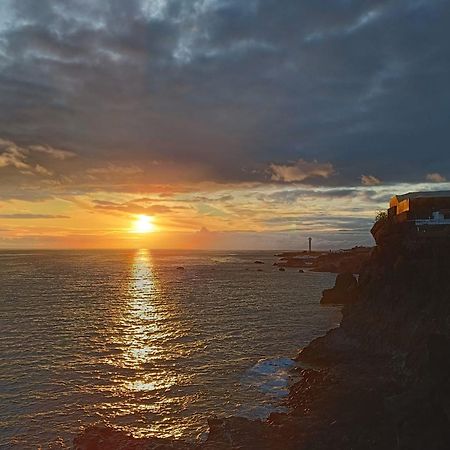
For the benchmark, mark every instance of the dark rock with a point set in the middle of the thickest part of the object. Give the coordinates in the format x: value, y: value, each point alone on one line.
x: 259, y: 262
x: 240, y: 433
x: 105, y: 438
x: 301, y: 271
x: 345, y: 290
x: 350, y: 260
x: 281, y: 269
x: 180, y: 268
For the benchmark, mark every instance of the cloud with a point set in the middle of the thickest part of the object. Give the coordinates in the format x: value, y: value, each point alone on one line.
x: 293, y: 195
x: 25, y: 158
x: 212, y: 87
x: 208, y: 199
x: 134, y: 207
x: 436, y: 178
x: 13, y: 156
x: 32, y: 216
x: 300, y: 171
x: 53, y: 152
x: 113, y: 169
x: 370, y: 180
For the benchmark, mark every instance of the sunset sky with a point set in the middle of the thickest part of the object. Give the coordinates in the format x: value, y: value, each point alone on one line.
x: 228, y: 123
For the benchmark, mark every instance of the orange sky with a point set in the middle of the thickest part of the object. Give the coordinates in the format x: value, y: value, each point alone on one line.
x: 258, y: 216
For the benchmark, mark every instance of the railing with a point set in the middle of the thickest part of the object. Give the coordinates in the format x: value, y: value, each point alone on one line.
x: 433, y: 221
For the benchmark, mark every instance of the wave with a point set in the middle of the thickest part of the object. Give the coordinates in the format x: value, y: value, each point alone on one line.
x: 270, y: 376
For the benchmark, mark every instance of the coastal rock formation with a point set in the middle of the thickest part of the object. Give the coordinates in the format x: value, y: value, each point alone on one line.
x: 351, y: 260
x: 394, y: 340
x: 380, y: 381
x: 103, y: 438
x: 345, y: 290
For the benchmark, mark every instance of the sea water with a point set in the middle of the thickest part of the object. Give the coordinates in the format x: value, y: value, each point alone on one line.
x: 151, y: 342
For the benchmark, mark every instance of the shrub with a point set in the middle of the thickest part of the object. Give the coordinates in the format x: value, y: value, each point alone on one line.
x: 381, y: 216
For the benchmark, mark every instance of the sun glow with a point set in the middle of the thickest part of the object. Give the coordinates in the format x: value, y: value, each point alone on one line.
x: 143, y: 224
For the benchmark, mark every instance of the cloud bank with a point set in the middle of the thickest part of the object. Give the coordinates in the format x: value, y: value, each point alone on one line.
x: 218, y: 90
x: 222, y: 113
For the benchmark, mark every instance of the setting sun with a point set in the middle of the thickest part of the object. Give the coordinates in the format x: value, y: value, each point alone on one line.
x: 143, y: 224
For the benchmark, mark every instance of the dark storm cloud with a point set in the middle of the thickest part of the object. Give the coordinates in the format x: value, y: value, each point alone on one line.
x: 224, y: 90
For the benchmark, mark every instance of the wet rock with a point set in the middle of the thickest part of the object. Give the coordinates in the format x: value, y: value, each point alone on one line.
x: 105, y: 438
x: 240, y: 433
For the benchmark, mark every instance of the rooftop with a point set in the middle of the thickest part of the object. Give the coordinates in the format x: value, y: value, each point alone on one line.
x: 425, y: 194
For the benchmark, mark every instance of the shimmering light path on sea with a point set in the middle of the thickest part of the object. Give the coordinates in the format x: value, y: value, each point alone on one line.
x: 126, y: 338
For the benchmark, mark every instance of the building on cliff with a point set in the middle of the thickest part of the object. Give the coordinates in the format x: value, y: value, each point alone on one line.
x: 423, y: 207
x: 415, y: 216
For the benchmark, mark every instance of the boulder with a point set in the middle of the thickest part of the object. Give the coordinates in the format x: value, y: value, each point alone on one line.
x: 345, y: 290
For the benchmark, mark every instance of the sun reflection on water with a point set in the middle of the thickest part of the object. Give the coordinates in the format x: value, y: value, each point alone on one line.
x: 143, y: 329
x: 146, y: 376
x: 141, y: 318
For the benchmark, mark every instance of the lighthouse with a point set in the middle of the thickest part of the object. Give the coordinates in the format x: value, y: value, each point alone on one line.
x: 309, y: 242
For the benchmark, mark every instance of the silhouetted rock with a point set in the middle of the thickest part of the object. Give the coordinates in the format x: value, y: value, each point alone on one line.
x: 345, y: 290
x: 105, y: 438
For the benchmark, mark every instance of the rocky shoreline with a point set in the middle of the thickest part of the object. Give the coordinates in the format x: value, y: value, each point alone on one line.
x: 349, y: 260
x: 381, y: 380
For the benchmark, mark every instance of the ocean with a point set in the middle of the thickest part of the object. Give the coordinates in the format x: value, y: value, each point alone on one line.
x: 151, y: 342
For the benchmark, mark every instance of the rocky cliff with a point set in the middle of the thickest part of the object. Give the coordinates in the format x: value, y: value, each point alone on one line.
x: 395, y: 340
x: 379, y: 381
